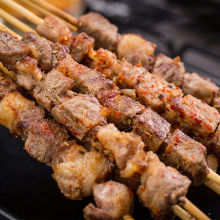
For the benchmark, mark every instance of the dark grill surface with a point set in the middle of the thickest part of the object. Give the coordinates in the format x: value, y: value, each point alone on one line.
x: 190, y: 30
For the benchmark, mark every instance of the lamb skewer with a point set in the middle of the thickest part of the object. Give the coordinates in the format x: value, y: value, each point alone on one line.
x: 171, y: 70
x: 206, y: 128
x: 63, y: 166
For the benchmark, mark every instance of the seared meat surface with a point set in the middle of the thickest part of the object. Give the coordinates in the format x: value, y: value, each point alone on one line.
x: 49, y: 91
x: 161, y: 187
x: 77, y: 170
x: 152, y: 128
x: 79, y: 113
x: 216, y: 103
x: 214, y: 142
x: 188, y: 155
x: 81, y: 44
x: 212, y: 162
x: 172, y: 70
x: 41, y: 49
x: 135, y: 50
x: 12, y: 50
x: 199, y: 87
x: 55, y: 30
x: 113, y: 200
x: 193, y: 115
x: 95, y: 25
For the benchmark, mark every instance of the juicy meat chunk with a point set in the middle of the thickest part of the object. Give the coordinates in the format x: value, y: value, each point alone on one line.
x: 216, y: 103
x: 12, y: 50
x: 86, y: 80
x: 113, y: 200
x: 214, y: 143
x: 172, y: 70
x: 155, y: 92
x: 188, y: 155
x: 152, y: 128
x: 81, y: 44
x: 41, y: 49
x: 59, y: 52
x: 193, y: 115
x: 55, y: 30
x: 79, y: 113
x: 135, y: 49
x: 6, y: 86
x: 77, y: 170
x: 95, y: 25
x: 122, y: 108
x: 10, y: 106
x: 52, y: 87
x: 126, y: 148
x: 44, y: 139
x: 28, y: 74
x: 199, y: 87
x: 161, y: 187
x: 212, y: 162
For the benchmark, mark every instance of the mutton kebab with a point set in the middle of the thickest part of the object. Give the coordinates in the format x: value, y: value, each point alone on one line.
x: 48, y: 142
x: 103, y: 89
x: 136, y: 50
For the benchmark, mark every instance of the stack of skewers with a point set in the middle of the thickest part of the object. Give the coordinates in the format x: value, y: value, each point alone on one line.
x: 108, y: 106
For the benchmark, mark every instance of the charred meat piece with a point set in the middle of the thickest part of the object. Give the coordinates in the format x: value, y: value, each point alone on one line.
x: 214, y: 142
x: 113, y: 200
x: 28, y: 73
x: 81, y: 44
x: 6, y: 86
x: 136, y: 50
x: 125, y: 148
x: 41, y: 49
x: 12, y: 50
x: 85, y: 79
x: 95, y: 25
x: 199, y: 87
x: 79, y: 113
x: 77, y: 170
x: 212, y: 162
x: 216, y: 103
x: 49, y: 91
x: 122, y: 109
x: 161, y: 187
x: 188, y: 155
x: 155, y: 92
x: 55, y: 30
x: 59, y: 52
x: 192, y: 115
x: 172, y: 70
x: 152, y: 128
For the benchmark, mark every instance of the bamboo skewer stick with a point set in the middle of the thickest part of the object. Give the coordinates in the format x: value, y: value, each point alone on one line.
x: 213, y: 176
x: 191, y: 208
x: 45, y: 12
x: 182, y: 213
x: 53, y: 9
x: 15, y: 22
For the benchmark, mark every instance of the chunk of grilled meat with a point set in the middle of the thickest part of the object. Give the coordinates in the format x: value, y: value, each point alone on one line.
x: 161, y: 187
x: 12, y: 50
x: 135, y: 50
x: 152, y: 128
x: 212, y: 162
x: 216, y: 102
x: 188, y: 155
x: 55, y: 30
x: 193, y: 115
x: 105, y: 34
x: 81, y: 44
x: 76, y: 170
x: 113, y: 200
x: 41, y: 49
x: 172, y: 70
x: 199, y: 87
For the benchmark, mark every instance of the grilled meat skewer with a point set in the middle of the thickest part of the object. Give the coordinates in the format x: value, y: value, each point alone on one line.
x: 67, y: 158
x: 198, y: 174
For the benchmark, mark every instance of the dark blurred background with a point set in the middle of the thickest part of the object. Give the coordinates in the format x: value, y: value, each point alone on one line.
x: 190, y: 29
